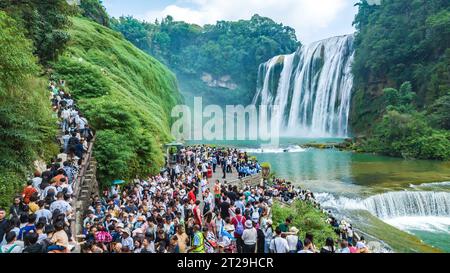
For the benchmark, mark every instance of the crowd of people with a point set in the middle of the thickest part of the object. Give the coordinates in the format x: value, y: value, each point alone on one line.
x: 180, y: 210
x: 40, y: 218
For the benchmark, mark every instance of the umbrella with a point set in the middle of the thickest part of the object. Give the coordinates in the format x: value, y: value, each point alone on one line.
x: 118, y: 182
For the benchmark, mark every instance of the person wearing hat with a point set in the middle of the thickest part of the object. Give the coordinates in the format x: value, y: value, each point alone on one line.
x: 268, y: 235
x: 127, y: 241
x: 249, y: 236
x: 292, y: 239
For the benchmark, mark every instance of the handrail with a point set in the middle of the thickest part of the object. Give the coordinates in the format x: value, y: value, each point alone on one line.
x: 77, y: 186
x: 84, y: 166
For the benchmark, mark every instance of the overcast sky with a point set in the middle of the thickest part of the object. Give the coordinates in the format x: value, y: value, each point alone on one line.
x: 312, y: 19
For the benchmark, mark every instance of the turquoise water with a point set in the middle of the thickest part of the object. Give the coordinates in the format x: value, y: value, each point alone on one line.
x: 437, y: 239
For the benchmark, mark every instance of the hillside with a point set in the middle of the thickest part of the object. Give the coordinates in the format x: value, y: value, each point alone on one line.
x: 126, y: 94
x: 402, y: 78
x: 26, y: 133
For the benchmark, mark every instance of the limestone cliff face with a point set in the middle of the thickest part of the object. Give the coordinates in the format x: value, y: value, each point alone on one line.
x: 225, y: 81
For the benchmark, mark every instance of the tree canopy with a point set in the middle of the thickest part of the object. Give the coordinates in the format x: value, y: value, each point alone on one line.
x: 234, y: 49
x: 45, y: 23
x: 26, y: 131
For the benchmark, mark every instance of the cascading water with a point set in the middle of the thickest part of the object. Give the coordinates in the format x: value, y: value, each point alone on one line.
x: 313, y: 89
x: 395, y: 204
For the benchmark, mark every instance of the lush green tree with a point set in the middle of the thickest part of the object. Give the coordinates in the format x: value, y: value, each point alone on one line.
x: 439, y: 113
x: 396, y: 42
x: 45, y: 22
x: 95, y: 10
x: 133, y: 30
x: 26, y: 125
x: 234, y: 49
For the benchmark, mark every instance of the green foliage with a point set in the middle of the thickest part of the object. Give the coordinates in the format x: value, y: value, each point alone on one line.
x: 45, y: 22
x: 16, y: 62
x: 126, y: 95
x: 439, y: 113
x: 26, y: 123
x: 399, y: 41
x: 306, y: 218
x: 408, y: 135
x: 95, y: 10
x: 86, y: 80
x: 400, y: 100
x: 234, y: 49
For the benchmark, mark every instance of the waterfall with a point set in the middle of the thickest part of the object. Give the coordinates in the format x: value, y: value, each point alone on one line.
x: 313, y: 88
x: 409, y: 203
x: 395, y: 204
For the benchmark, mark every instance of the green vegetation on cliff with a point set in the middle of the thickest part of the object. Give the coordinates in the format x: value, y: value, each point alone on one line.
x: 402, y: 78
x: 227, y: 52
x: 26, y: 131
x: 126, y: 95
x: 44, y: 22
x: 406, y: 132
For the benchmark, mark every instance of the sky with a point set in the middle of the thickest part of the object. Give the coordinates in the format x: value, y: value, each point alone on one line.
x: 313, y: 20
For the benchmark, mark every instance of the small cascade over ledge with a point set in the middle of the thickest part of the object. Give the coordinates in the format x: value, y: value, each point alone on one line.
x: 395, y: 204
x: 311, y: 88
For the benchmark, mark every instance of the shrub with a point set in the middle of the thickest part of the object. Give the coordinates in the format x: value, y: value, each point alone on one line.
x: 306, y: 218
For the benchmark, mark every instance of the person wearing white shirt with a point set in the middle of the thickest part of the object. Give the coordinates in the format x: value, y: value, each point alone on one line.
x: 292, y: 239
x: 61, y: 205
x: 249, y: 236
x: 279, y: 244
x: 37, y: 180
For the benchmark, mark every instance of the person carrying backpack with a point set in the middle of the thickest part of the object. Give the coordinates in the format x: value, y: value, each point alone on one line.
x: 239, y: 222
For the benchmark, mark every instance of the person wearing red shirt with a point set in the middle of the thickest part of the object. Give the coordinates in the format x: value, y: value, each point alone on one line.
x: 197, y: 213
x: 191, y: 195
x: 28, y: 191
x: 238, y: 222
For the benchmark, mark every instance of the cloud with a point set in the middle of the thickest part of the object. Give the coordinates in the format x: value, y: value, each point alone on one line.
x: 312, y: 19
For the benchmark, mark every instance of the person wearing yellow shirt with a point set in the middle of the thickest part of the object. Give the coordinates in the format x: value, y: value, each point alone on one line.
x: 33, y: 206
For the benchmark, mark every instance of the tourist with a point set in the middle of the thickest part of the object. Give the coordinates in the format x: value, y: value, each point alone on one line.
x: 59, y: 239
x: 307, y: 247
x: 183, y: 239
x: 4, y: 223
x: 361, y: 246
x: 17, y: 208
x: 238, y: 222
x: 197, y: 213
x: 292, y: 239
x: 11, y: 245
x: 28, y: 228
x: 344, y: 247
x: 260, y: 241
x: 249, y: 237
x: 310, y: 237
x: 198, y: 241
x: 328, y: 247
x: 31, y: 244
x: 284, y: 227
x: 127, y: 241
x: 279, y: 244
x: 268, y: 235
